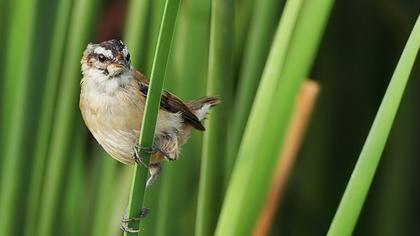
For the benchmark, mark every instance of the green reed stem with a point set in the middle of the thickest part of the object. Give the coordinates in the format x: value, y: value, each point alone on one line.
x: 17, y: 75
x: 73, y: 218
x: 141, y: 34
x: 219, y: 83
x: 355, y: 194
x: 136, y: 29
x: 256, y: 50
x: 152, y: 104
x: 156, y: 11
x: 188, y: 69
x: 106, y: 195
x: 244, y: 10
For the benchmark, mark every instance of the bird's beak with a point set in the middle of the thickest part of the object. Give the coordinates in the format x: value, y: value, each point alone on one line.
x: 122, y: 63
x: 115, y: 68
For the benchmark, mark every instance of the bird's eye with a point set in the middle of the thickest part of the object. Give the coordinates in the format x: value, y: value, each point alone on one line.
x: 101, y: 57
x: 127, y: 57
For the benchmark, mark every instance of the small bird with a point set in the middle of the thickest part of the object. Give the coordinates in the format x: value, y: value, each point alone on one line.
x: 112, y: 102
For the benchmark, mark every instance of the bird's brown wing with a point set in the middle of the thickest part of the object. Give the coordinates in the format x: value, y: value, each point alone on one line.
x: 170, y: 102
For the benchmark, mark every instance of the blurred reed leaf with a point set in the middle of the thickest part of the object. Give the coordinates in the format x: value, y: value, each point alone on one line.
x: 47, y: 114
x: 261, y: 31
x: 106, y: 195
x: 15, y: 93
x: 123, y: 188
x: 289, y: 62
x: 81, y: 25
x: 70, y: 208
x: 148, y: 124
x: 354, y: 196
x: 136, y: 31
x: 244, y: 10
x: 229, y: 219
x: 4, y: 23
x: 219, y: 82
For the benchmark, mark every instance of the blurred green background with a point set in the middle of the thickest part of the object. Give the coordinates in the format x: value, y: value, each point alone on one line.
x: 362, y: 42
x: 55, y: 179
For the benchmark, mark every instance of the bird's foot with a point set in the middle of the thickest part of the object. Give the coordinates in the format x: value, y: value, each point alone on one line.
x: 154, y: 168
x: 125, y: 221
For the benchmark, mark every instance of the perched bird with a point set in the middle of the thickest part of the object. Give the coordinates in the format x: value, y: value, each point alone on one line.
x: 112, y: 102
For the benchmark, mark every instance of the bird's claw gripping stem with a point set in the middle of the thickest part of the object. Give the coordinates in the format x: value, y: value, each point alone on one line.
x: 151, y: 150
x: 125, y: 221
x: 137, y: 156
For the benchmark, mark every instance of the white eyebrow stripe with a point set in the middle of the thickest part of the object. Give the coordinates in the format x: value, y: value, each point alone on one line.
x: 106, y: 52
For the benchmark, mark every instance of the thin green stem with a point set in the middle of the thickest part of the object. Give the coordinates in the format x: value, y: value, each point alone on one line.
x: 156, y: 12
x: 152, y: 103
x: 355, y: 194
x: 141, y: 32
x: 188, y: 69
x: 220, y: 83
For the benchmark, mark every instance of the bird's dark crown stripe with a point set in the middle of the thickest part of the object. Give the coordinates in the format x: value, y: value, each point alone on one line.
x: 116, y: 46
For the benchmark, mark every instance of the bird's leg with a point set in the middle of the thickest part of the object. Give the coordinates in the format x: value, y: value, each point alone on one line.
x: 125, y: 221
x: 154, y: 170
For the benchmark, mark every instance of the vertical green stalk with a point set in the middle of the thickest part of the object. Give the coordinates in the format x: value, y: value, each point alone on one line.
x: 72, y: 220
x: 354, y: 196
x: 47, y: 113
x: 119, y: 207
x: 290, y: 59
x: 153, y: 103
x: 220, y: 83
x: 255, y: 55
x: 106, y: 195
x: 189, y: 69
x: 4, y: 29
x: 244, y: 9
x: 80, y: 26
x: 136, y: 28
x: 156, y: 12
x: 17, y: 74
x: 141, y: 21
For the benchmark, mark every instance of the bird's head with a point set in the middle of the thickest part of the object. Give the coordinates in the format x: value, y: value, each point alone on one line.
x: 108, y: 59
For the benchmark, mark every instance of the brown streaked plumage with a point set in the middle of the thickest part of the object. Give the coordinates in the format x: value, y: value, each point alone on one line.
x: 112, y: 100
